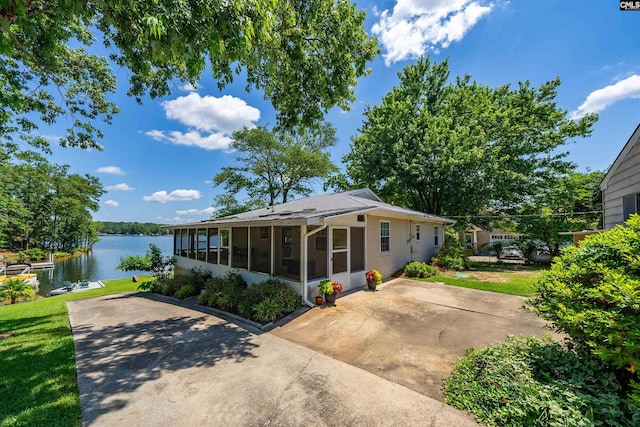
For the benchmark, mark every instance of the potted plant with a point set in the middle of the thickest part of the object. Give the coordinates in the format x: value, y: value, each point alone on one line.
x: 318, y: 299
x: 374, y: 278
x: 330, y: 289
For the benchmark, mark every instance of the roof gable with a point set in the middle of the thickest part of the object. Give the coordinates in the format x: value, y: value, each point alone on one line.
x: 633, y: 140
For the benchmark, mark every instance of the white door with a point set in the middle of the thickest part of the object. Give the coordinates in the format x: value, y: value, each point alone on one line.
x: 340, y: 255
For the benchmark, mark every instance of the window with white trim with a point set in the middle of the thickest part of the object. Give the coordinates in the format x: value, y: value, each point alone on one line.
x: 417, y: 231
x: 385, y: 234
x: 436, y: 236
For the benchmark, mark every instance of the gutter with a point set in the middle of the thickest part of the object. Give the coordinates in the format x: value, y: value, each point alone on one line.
x: 304, y: 267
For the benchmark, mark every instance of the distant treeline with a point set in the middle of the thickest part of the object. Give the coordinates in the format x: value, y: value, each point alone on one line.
x: 147, y: 228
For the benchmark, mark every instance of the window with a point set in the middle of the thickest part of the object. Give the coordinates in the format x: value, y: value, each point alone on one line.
x: 436, y: 236
x: 384, y: 236
x: 417, y: 231
x: 630, y: 205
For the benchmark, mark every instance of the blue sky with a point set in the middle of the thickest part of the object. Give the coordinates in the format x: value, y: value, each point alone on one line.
x: 159, y: 157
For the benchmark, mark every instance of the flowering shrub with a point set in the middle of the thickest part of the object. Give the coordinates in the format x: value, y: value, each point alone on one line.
x: 373, y: 276
x: 337, y: 287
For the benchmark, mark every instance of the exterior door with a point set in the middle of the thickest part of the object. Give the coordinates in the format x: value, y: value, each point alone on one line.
x: 340, y: 255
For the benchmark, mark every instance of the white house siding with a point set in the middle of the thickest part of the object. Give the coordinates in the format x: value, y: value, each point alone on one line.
x: 624, y: 181
x: 404, y: 247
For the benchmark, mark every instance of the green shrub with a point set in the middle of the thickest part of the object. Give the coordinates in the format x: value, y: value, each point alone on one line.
x: 419, y: 269
x: 169, y: 288
x: 267, y: 311
x: 203, y: 298
x: 530, y: 382
x: 154, y: 286
x: 186, y: 291
x: 231, y: 293
x: 452, y: 256
x: 197, y: 278
x: 592, y: 293
x: 32, y: 254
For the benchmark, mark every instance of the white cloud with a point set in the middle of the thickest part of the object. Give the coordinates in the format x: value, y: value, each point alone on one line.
x: 205, y: 211
x: 208, y: 113
x: 119, y: 187
x: 211, y: 120
x: 600, y: 99
x: 114, y: 170
x: 112, y: 203
x: 418, y: 26
x: 214, y: 141
x: 188, y: 87
x: 174, y: 196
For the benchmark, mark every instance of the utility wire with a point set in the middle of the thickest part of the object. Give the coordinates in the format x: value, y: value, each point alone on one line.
x: 523, y: 215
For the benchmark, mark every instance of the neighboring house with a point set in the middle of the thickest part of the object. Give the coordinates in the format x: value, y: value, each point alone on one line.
x: 479, y: 240
x: 336, y: 236
x: 621, y: 185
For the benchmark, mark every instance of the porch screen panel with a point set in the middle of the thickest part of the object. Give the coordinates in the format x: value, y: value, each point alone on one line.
x: 240, y: 247
x: 176, y: 242
x: 184, y: 242
x: 339, y: 253
x: 317, y: 256
x: 287, y: 252
x: 260, y: 242
x: 357, y: 248
x: 192, y: 243
x: 202, y: 244
x: 224, y: 247
x: 212, y: 256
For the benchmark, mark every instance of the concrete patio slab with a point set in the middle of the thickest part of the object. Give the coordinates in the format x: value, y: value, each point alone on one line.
x: 147, y: 363
x: 411, y: 332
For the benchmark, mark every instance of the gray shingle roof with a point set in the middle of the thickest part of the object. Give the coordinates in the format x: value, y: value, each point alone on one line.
x: 325, y: 206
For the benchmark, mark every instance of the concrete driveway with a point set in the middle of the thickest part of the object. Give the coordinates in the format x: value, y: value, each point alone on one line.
x: 411, y: 332
x: 146, y: 363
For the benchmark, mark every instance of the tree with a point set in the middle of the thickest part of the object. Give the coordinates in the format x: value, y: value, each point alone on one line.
x: 153, y: 261
x: 275, y: 166
x: 14, y: 289
x: 305, y: 56
x: 570, y: 202
x: 460, y: 148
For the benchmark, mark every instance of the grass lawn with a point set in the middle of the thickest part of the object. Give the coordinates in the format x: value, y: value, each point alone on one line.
x: 513, y: 279
x: 38, y: 364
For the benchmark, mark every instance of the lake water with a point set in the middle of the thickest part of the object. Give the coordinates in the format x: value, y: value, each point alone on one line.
x: 101, y: 264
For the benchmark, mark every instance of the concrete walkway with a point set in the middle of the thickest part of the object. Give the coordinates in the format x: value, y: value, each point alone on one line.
x: 147, y: 363
x: 411, y: 332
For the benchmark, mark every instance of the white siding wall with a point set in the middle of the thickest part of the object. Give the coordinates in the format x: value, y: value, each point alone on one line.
x: 404, y: 247
x: 625, y: 180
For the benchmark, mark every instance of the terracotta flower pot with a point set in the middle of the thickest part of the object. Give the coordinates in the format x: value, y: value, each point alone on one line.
x: 319, y: 300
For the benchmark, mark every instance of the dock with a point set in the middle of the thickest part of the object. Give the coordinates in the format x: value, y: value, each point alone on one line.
x: 35, y: 266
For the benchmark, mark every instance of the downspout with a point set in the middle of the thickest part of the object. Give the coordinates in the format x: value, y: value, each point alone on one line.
x: 304, y: 266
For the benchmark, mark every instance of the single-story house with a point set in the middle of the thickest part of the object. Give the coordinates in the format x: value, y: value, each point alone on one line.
x: 336, y: 236
x: 621, y: 185
x: 479, y: 240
